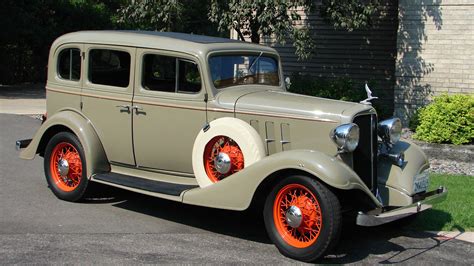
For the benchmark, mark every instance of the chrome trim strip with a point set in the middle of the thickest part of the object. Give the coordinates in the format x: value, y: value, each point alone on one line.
x: 378, y: 217
x: 285, y: 116
x: 170, y: 105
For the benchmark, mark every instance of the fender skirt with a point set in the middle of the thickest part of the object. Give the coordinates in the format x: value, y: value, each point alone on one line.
x: 236, y: 191
x: 96, y: 160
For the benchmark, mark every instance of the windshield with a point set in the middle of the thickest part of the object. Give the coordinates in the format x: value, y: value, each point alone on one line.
x: 231, y: 70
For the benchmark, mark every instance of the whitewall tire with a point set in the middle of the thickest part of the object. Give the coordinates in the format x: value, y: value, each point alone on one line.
x: 228, y: 145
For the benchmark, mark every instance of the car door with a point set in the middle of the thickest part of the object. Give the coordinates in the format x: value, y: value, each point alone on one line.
x: 169, y: 110
x: 107, y: 97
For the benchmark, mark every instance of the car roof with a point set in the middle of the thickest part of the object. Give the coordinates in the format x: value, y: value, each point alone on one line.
x: 173, y: 41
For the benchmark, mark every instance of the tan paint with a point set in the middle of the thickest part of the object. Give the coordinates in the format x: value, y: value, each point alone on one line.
x: 236, y: 191
x: 95, y: 156
x: 166, y: 133
x: 401, y: 178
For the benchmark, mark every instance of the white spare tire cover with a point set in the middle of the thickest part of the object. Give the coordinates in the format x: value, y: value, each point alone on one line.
x: 244, y: 135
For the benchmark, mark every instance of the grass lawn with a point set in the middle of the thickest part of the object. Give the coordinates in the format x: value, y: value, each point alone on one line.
x: 456, y: 213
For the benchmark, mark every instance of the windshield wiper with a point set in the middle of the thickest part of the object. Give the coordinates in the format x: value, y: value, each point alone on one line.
x: 254, y: 61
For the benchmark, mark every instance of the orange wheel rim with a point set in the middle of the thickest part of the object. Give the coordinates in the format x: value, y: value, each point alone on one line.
x: 66, y: 166
x: 222, y: 157
x: 300, y: 234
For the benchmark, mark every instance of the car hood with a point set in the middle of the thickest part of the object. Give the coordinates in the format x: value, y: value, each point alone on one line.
x: 285, y: 104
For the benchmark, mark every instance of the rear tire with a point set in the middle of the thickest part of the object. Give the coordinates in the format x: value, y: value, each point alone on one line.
x: 313, y: 234
x: 65, y: 167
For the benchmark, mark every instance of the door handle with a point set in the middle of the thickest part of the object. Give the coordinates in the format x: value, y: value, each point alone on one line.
x: 125, y: 108
x: 136, y: 107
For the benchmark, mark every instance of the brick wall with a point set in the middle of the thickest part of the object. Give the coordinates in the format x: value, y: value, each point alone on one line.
x: 361, y: 55
x: 435, y: 52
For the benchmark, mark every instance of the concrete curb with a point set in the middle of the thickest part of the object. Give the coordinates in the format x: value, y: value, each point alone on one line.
x: 463, y: 236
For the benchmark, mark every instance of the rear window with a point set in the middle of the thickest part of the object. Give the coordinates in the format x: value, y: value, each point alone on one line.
x: 109, y: 67
x: 69, y: 64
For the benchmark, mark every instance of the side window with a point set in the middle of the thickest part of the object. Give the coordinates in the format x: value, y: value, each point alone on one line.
x: 159, y: 73
x: 170, y: 74
x: 189, y: 78
x: 69, y: 64
x: 109, y: 67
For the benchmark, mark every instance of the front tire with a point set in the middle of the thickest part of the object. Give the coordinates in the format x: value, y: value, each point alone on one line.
x: 65, y: 167
x: 302, y: 218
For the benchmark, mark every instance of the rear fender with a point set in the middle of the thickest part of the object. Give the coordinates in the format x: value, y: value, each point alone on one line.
x: 236, y: 191
x: 70, y: 120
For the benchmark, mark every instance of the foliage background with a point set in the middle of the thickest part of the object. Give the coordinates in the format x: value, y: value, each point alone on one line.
x: 30, y: 27
x: 448, y: 119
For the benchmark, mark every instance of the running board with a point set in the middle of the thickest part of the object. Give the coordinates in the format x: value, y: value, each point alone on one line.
x: 144, y: 184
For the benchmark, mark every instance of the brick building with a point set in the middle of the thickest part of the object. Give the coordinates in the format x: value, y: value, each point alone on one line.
x: 417, y: 49
x: 435, y: 51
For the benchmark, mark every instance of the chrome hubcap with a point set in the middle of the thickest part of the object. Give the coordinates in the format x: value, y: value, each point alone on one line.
x: 63, y: 167
x: 222, y: 163
x: 294, y: 217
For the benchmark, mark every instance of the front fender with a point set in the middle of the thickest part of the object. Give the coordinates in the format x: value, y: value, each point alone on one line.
x: 236, y: 192
x: 82, y: 128
x: 396, y: 183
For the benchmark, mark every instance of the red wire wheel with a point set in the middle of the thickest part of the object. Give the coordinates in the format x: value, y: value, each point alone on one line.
x: 65, y: 166
x: 222, y: 157
x: 300, y: 198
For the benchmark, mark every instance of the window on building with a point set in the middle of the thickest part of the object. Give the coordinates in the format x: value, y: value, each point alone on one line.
x: 69, y: 64
x: 109, y: 67
x: 170, y: 74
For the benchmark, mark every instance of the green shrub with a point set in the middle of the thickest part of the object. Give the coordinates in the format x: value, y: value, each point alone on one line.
x: 338, y: 89
x: 414, y: 120
x: 448, y: 119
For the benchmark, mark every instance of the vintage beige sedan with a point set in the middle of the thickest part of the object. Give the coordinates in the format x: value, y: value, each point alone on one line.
x: 208, y: 121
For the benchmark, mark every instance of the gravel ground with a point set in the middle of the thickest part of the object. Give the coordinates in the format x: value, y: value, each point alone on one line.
x: 443, y: 166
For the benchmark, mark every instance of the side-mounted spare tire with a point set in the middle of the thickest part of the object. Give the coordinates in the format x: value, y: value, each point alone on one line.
x: 224, y: 148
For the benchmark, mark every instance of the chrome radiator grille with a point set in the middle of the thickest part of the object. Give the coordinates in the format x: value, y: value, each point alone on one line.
x: 365, y: 155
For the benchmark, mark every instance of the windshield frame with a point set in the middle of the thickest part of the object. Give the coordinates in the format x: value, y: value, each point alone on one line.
x: 256, y: 53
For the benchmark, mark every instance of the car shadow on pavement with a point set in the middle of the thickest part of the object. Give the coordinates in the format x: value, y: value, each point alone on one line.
x: 356, y: 243
x: 242, y: 224
x: 390, y: 244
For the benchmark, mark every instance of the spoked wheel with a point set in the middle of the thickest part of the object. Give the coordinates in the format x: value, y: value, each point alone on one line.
x: 297, y: 215
x: 222, y: 157
x: 302, y: 218
x: 65, y: 168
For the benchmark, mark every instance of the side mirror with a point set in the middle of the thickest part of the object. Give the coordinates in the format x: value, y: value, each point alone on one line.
x: 287, y: 83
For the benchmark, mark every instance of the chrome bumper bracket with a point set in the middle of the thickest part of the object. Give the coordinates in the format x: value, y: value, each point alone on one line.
x: 378, y: 216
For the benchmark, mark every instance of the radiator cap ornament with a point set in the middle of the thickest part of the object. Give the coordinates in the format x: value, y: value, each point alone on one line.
x: 369, y: 96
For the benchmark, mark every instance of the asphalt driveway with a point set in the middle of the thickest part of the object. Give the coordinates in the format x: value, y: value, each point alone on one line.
x: 123, y: 227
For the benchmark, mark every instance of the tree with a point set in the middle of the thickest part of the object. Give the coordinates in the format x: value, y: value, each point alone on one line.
x: 188, y: 16
x: 278, y: 19
x: 29, y: 28
x: 274, y: 18
x: 159, y: 15
x: 350, y: 14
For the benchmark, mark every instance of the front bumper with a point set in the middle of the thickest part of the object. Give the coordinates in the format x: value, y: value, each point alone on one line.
x: 379, y: 216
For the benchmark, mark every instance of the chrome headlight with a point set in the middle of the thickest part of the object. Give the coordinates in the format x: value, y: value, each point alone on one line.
x: 346, y: 137
x: 390, y: 130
